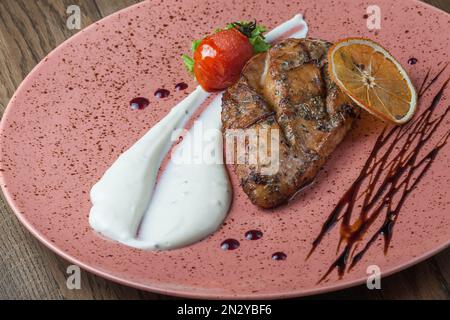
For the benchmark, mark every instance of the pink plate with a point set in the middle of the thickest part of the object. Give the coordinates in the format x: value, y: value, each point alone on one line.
x: 70, y: 119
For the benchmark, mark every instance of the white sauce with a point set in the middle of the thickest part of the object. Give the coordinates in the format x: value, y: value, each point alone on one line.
x: 293, y: 28
x: 191, y: 199
x: 121, y: 197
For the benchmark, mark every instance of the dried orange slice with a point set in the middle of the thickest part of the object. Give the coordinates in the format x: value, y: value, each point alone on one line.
x: 372, y: 78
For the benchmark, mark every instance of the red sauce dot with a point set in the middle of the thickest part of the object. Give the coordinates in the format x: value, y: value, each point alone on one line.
x: 230, y: 244
x: 253, y: 235
x: 139, y: 103
x: 181, y: 86
x: 162, y: 93
x: 412, y: 61
x: 279, y: 256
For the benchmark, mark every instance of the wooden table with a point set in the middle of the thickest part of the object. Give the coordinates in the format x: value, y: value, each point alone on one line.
x: 28, y: 31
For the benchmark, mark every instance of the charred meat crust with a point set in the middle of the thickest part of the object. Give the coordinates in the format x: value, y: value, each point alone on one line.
x: 288, y: 89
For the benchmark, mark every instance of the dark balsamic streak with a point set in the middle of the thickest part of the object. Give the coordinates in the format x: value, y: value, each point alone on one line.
x: 387, y: 175
x: 425, y: 79
x: 424, y: 89
x: 387, y: 228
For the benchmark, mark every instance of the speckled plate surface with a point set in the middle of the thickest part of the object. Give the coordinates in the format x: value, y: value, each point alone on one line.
x: 70, y: 119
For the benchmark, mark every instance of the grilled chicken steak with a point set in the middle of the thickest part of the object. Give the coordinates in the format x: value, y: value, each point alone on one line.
x: 288, y: 89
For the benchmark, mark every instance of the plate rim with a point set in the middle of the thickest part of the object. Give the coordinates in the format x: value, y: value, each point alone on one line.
x: 336, y: 286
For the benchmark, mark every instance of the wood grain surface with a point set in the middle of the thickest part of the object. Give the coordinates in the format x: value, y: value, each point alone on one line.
x: 29, y: 30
